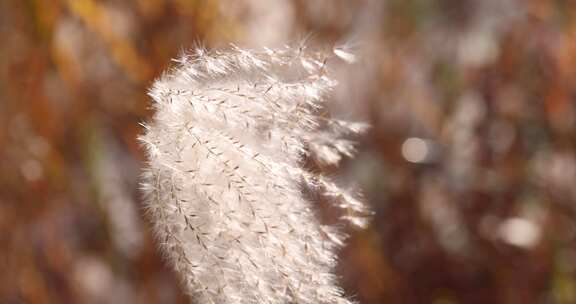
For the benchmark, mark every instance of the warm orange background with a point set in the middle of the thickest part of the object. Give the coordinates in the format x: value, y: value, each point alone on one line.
x: 470, y: 163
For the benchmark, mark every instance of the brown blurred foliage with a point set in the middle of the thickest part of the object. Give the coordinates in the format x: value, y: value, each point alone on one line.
x: 470, y: 164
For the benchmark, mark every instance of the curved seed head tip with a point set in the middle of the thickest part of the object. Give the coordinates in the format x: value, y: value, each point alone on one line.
x: 345, y: 55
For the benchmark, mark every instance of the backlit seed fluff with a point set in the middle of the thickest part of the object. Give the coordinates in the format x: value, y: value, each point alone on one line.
x: 224, y: 176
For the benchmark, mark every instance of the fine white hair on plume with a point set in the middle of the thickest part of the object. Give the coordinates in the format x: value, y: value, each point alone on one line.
x: 223, y: 182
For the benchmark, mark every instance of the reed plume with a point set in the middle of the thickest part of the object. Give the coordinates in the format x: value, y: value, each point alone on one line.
x: 225, y: 175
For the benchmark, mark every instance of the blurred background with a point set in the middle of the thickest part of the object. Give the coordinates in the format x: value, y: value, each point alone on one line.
x: 470, y: 163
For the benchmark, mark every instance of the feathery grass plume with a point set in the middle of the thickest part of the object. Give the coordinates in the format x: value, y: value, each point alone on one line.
x: 225, y: 175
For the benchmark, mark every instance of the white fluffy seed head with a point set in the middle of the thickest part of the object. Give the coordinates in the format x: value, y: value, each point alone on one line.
x: 224, y: 175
